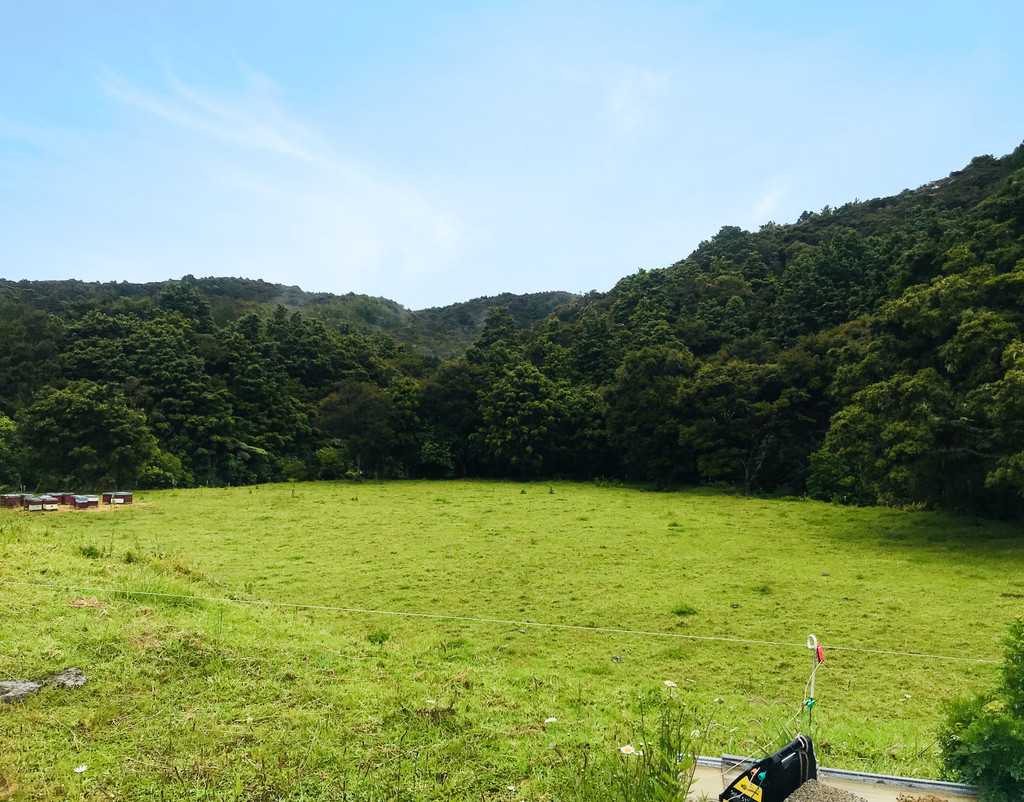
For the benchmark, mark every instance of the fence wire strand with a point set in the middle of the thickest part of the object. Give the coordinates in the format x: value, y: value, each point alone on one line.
x: 502, y: 621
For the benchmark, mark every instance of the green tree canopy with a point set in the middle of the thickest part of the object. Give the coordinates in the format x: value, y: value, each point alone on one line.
x: 83, y: 435
x: 9, y: 463
x: 361, y: 416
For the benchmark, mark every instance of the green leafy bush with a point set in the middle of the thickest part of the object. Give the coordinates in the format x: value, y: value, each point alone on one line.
x: 982, y: 738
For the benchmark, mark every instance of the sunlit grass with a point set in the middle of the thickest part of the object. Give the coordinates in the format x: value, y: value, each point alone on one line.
x: 245, y: 701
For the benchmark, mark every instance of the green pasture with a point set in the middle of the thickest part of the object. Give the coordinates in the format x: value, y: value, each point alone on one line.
x: 197, y: 692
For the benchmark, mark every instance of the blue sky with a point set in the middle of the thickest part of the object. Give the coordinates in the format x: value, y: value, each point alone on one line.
x: 433, y: 152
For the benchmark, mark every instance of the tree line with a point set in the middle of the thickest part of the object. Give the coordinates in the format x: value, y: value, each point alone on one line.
x: 872, y: 353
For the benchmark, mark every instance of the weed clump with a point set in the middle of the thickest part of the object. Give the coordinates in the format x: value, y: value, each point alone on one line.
x: 659, y: 761
x: 379, y: 636
x: 90, y: 551
x: 684, y: 610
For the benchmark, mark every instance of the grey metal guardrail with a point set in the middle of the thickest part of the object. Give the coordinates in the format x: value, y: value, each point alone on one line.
x: 729, y: 763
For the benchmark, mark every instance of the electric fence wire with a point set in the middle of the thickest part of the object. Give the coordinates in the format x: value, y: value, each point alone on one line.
x: 508, y: 622
x: 749, y: 760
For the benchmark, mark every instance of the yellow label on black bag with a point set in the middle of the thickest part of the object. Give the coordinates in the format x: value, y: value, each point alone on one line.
x: 747, y: 788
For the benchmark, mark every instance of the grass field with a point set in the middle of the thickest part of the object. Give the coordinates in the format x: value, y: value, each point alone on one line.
x: 196, y: 698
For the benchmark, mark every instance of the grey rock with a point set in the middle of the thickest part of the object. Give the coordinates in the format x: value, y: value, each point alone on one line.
x: 68, y: 678
x: 18, y: 689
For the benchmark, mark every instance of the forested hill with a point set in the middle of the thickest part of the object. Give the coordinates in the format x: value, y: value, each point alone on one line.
x: 872, y: 353
x: 438, y: 330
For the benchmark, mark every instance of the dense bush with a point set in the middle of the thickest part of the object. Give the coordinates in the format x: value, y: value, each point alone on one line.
x: 982, y: 739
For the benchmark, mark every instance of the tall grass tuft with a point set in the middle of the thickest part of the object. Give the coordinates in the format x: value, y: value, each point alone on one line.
x: 658, y: 763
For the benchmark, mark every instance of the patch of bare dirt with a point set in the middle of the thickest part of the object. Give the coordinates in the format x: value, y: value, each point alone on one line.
x: 100, y: 508
x: 146, y: 640
x: 81, y: 601
x: 8, y: 786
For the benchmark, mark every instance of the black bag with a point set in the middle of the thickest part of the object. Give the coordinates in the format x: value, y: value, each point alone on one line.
x: 775, y: 778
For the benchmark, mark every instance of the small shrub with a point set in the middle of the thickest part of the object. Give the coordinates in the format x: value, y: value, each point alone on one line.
x: 982, y: 738
x: 294, y: 470
x: 684, y: 609
x: 90, y: 551
x: 331, y: 463
x: 379, y: 636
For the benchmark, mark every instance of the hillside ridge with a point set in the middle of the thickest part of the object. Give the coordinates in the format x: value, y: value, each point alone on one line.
x: 867, y: 354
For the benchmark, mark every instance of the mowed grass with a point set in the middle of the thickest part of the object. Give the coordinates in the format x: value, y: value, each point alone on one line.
x: 200, y: 698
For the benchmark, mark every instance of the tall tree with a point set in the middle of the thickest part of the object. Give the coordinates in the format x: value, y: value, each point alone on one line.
x: 361, y: 416
x: 521, y: 422
x: 189, y: 301
x: 734, y: 419
x: 450, y: 408
x: 893, y: 443
x: 10, y: 473
x: 83, y: 435
x: 644, y: 415
x: 30, y: 345
x: 498, y: 343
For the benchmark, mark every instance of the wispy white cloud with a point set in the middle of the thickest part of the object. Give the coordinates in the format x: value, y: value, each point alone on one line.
x: 255, y: 119
x: 282, y: 192
x: 770, y: 199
